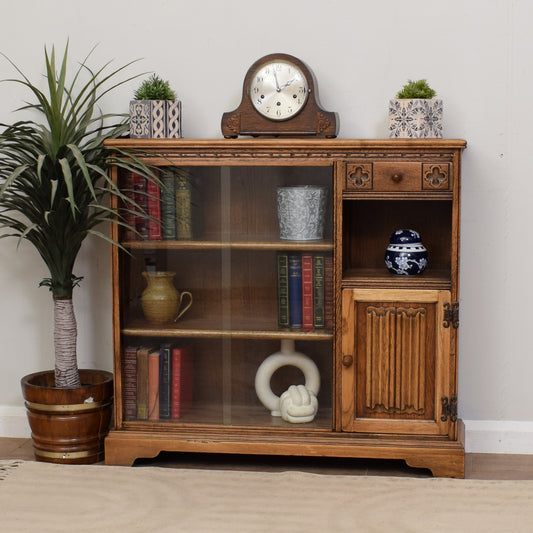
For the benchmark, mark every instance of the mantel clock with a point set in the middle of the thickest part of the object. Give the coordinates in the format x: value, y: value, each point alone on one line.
x: 279, y: 98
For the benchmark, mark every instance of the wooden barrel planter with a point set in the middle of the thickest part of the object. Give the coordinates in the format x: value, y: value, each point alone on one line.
x: 69, y: 425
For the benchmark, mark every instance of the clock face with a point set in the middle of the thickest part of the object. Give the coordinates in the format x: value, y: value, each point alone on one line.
x: 278, y: 90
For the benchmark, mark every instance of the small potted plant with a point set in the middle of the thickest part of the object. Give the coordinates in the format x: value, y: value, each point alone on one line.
x: 155, y: 113
x: 54, y: 192
x: 415, y: 112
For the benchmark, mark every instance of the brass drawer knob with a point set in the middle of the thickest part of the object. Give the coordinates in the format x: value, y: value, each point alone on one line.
x: 347, y: 360
x: 397, y: 177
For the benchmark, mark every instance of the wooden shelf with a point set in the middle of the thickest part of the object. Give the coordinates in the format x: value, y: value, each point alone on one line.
x: 253, y: 328
x: 372, y: 277
x: 315, y: 246
x: 235, y: 416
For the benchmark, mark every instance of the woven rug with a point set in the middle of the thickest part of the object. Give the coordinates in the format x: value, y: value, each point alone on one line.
x: 53, y: 498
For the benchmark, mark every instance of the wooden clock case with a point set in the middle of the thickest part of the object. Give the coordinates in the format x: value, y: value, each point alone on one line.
x: 312, y: 120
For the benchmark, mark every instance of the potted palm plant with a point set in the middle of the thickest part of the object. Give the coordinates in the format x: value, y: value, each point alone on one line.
x: 54, y: 191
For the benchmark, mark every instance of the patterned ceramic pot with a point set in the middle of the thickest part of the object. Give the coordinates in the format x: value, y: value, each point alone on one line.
x: 155, y: 119
x: 301, y: 212
x: 406, y: 255
x: 415, y: 118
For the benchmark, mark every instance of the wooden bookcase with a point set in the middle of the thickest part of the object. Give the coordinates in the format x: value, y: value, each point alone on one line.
x: 388, y: 356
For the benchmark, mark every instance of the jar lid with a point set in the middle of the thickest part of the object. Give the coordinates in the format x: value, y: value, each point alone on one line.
x: 405, y: 236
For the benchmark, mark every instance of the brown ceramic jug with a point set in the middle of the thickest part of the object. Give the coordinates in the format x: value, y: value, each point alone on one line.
x: 161, y: 301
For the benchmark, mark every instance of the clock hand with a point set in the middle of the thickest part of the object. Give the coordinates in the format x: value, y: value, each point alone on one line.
x: 277, y: 83
x: 287, y: 84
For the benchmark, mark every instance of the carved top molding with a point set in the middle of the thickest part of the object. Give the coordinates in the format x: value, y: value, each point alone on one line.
x: 296, y: 149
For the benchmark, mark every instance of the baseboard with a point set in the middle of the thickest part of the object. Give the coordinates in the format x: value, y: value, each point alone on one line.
x: 498, y: 436
x: 14, y: 423
x: 481, y: 436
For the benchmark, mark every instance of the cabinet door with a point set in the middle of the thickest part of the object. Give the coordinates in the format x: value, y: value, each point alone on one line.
x: 395, y: 361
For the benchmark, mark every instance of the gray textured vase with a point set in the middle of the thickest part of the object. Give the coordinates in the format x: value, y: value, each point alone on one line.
x: 301, y: 212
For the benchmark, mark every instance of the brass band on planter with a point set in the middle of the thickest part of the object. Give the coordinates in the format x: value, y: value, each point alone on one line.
x: 63, y: 455
x: 72, y: 407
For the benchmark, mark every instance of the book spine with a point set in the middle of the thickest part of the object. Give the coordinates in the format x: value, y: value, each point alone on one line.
x: 182, y: 377
x: 168, y: 207
x: 295, y: 291
x: 165, y: 381
x: 183, y: 207
x: 328, y: 291
x: 153, y: 385
x: 283, y: 291
x: 128, y: 233
x: 142, y: 383
x: 307, y: 292
x: 141, y: 199
x: 187, y: 375
x: 318, y: 291
x: 129, y: 382
x: 153, y: 190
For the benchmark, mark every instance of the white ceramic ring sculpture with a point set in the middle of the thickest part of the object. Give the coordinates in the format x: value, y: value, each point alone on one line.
x: 285, y: 357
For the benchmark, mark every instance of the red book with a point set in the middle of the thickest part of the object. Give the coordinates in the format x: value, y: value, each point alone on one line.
x: 153, y: 385
x: 328, y: 291
x: 128, y: 234
x: 153, y: 191
x: 141, y: 199
x: 182, y: 376
x: 129, y: 382
x: 307, y: 292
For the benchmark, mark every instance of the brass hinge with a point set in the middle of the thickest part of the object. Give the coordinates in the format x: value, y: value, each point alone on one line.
x: 449, y: 408
x: 451, y: 315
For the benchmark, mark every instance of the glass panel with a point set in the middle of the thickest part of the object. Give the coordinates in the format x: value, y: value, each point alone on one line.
x: 225, y: 250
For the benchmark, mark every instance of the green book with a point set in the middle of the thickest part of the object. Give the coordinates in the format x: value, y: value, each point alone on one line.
x: 183, y: 197
x: 168, y: 206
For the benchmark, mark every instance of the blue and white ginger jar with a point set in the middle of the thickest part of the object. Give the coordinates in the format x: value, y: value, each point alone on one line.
x: 406, y: 255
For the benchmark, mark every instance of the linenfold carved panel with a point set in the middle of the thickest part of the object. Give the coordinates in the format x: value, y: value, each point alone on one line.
x: 395, y: 359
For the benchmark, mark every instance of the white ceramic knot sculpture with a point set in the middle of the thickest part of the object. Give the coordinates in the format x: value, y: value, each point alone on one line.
x: 298, y: 403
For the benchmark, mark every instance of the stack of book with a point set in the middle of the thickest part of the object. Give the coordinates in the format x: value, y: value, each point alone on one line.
x: 157, y: 381
x: 169, y: 205
x: 305, y: 290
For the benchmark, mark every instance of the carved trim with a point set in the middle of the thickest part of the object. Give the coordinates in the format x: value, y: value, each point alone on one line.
x: 223, y: 154
x: 359, y: 176
x: 410, y: 410
x: 322, y: 123
x: 233, y: 123
x: 435, y: 177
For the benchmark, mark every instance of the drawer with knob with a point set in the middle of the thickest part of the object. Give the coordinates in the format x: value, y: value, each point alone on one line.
x: 398, y: 176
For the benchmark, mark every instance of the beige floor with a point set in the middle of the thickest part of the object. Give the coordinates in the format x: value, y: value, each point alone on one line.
x: 477, y: 466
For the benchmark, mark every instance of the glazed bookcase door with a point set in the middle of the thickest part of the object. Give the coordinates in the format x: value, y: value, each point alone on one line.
x: 228, y: 261
x: 395, y: 361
